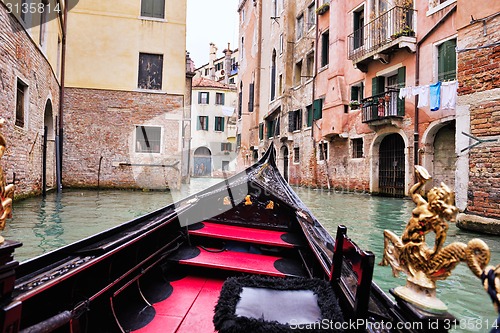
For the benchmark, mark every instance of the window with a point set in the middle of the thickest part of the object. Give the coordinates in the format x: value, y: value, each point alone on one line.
x: 250, y: 97
x: 21, y: 96
x: 357, y: 93
x: 318, y: 109
x: 310, y: 66
x: 297, y: 75
x: 300, y: 26
x: 447, y: 60
x: 325, y: 39
x: 225, y: 165
x: 147, y: 139
x: 294, y: 120
x: 150, y: 71
x: 203, y: 97
x: 282, y: 42
x: 323, y: 151
x: 225, y: 146
x: 219, y: 99
x: 238, y: 141
x: 358, y: 24
x: 261, y: 131
x: 242, y: 47
x: 357, y: 148
x: 153, y: 8
x: 311, y: 15
x: 273, y: 76
x: 280, y: 84
x: 240, y: 100
x: 43, y: 22
x: 296, y: 155
x: 219, y: 124
x: 270, y: 128
x: 309, y: 111
x: 202, y: 123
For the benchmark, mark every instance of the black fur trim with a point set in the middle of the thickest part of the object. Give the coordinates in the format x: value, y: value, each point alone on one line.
x: 226, y: 321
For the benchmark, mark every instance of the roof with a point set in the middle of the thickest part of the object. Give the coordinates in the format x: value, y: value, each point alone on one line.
x: 203, y: 82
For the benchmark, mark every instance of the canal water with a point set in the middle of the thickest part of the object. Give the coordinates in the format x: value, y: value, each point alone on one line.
x: 45, y: 224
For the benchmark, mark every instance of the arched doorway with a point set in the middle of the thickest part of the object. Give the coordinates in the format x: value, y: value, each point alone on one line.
x: 202, y: 165
x: 391, y: 175
x: 445, y: 158
x: 284, y: 156
x: 49, y: 153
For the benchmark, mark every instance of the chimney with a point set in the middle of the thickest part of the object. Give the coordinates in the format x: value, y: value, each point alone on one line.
x: 211, y: 59
x: 227, y: 63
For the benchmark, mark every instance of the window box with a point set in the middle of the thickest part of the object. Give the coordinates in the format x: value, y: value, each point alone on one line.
x: 323, y: 8
x: 354, y: 105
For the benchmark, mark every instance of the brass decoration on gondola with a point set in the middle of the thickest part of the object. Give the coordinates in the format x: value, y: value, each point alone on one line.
x: 6, y: 191
x: 226, y: 201
x: 270, y: 205
x: 248, y: 200
x: 424, y: 265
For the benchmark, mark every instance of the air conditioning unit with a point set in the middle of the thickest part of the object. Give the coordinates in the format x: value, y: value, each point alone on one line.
x: 222, y: 72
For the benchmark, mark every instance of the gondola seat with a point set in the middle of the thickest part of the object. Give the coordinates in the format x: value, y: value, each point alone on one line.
x: 268, y: 304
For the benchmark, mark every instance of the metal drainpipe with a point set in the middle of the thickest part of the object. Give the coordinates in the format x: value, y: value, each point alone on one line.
x: 61, y: 98
x: 316, y: 32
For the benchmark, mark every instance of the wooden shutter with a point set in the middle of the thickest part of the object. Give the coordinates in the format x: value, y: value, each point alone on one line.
x: 250, y: 97
x: 318, y: 109
x: 291, y: 121
x: 378, y: 85
x: 222, y: 122
x: 261, y: 131
x: 401, y: 83
x: 447, y: 60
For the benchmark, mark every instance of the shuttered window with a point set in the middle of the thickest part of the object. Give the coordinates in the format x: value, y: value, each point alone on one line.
x: 153, y: 8
x: 447, y: 60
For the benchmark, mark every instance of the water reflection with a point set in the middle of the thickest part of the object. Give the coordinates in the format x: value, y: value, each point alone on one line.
x: 57, y: 220
x: 366, y: 217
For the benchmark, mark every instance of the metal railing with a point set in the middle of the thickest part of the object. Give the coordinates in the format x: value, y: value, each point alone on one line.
x: 391, y: 25
x: 384, y: 105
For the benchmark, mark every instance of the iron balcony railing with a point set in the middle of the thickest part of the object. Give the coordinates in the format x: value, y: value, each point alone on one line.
x: 384, y: 105
x: 380, y: 32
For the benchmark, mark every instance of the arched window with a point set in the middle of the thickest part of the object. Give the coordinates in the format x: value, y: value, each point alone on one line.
x: 273, y: 76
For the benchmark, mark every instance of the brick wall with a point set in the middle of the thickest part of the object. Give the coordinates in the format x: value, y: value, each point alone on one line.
x: 21, y: 58
x: 479, y: 77
x: 99, y: 131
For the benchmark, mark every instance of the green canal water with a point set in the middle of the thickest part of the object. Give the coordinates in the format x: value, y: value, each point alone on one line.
x: 43, y: 225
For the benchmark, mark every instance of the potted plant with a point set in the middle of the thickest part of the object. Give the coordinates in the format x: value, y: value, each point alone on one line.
x: 323, y: 8
x: 354, y: 104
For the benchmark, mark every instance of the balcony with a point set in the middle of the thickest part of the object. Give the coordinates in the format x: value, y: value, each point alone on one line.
x: 382, y: 108
x: 393, y: 30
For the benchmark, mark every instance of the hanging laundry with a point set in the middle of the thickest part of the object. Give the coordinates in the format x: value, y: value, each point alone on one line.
x: 449, y: 94
x: 423, y: 96
x: 435, y: 96
x: 405, y: 92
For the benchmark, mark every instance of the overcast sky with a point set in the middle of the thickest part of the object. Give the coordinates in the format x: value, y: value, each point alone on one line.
x: 211, y: 21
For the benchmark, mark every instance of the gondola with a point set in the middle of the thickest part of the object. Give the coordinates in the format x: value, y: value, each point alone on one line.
x: 245, y: 255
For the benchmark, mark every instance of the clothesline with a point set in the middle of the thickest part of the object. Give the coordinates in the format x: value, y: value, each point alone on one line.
x: 438, y: 95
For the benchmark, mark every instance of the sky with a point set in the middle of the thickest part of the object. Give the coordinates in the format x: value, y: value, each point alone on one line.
x: 210, y: 21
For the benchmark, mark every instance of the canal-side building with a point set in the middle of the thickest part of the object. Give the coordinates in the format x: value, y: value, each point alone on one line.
x: 125, y: 94
x: 221, y: 69
x: 30, y: 85
x: 478, y: 104
x: 213, y: 128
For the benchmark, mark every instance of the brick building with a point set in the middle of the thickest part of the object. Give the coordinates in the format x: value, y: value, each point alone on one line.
x: 126, y: 112
x: 479, y: 102
x: 30, y: 78
x: 347, y: 102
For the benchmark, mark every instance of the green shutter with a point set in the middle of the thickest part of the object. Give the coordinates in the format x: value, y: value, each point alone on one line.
x: 318, y: 108
x: 378, y: 85
x: 199, y: 97
x: 198, y: 124
x: 447, y: 60
x: 401, y: 83
x: 223, y: 98
x: 222, y: 122
x: 206, y: 121
x: 261, y: 131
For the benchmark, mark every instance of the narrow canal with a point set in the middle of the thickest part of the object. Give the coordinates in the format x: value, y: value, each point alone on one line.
x: 45, y: 224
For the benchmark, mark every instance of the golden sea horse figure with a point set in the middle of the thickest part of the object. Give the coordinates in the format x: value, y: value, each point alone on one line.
x: 6, y: 191
x: 424, y: 265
